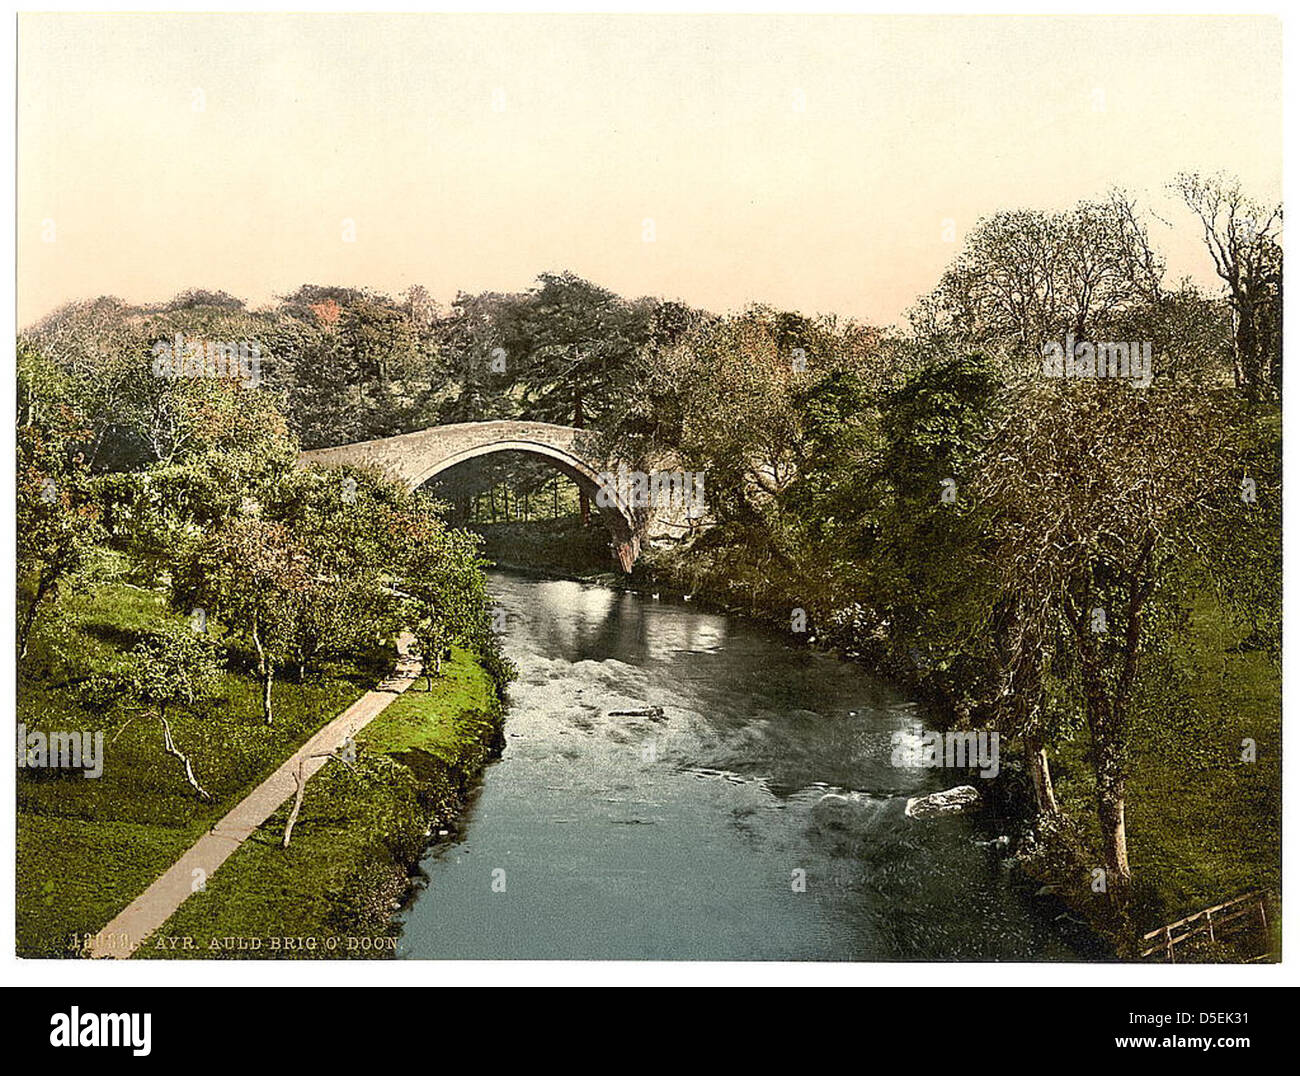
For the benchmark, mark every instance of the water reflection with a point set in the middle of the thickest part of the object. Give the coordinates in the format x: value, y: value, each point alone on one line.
x: 680, y: 831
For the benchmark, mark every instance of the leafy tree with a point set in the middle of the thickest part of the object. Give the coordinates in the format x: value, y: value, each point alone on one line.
x: 253, y: 575
x: 343, y: 519
x: 57, y: 519
x: 325, y: 392
x: 923, y: 562
x: 1025, y: 277
x: 440, y: 575
x: 201, y: 297
x: 432, y: 639
x: 103, y: 358
x: 578, y: 338
x: 473, y: 358
x: 233, y: 451
x: 378, y: 339
x: 174, y: 668
x: 573, y: 344
x: 57, y: 535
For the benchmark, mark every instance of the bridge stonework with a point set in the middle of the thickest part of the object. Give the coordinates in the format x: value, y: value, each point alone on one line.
x: 414, y: 458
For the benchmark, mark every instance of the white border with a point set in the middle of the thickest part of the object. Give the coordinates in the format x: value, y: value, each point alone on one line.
x: 498, y: 973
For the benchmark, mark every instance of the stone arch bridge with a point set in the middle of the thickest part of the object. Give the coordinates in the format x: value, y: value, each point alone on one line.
x: 414, y: 458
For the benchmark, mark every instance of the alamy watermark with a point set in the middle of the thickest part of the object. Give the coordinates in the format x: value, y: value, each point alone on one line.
x: 217, y: 359
x: 61, y: 751
x: 917, y: 748
x: 657, y: 489
x: 1129, y: 360
x: 121, y: 1029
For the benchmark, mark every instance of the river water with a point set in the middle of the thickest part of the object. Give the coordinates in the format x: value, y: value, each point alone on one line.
x: 759, y: 818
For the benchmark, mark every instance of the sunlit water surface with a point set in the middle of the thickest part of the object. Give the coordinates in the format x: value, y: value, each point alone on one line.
x: 623, y: 837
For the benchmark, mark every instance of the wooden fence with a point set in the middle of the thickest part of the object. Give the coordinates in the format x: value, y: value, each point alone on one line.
x: 1221, y: 921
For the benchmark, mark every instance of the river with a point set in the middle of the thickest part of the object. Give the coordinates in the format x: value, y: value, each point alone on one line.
x: 759, y: 818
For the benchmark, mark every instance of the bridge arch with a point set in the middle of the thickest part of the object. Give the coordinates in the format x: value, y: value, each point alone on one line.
x: 414, y: 458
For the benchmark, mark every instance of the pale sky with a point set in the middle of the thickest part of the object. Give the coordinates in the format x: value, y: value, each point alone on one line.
x: 807, y: 162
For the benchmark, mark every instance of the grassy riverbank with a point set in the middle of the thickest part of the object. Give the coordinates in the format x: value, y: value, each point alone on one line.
x: 87, y: 848
x: 1204, y: 826
x: 1204, y: 823
x: 330, y: 894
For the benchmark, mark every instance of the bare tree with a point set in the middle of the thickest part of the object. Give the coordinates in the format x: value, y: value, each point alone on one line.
x: 1243, y: 238
x: 169, y: 746
x: 1027, y: 276
x: 345, y: 755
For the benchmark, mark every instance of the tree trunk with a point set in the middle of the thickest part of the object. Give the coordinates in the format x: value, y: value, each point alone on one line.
x: 297, y: 804
x: 25, y: 628
x: 300, y: 779
x: 268, y: 676
x: 1044, y: 793
x: 584, y: 503
x: 29, y: 620
x: 1110, y: 813
x: 1248, y: 347
x: 170, y: 747
x: 1107, y: 712
x: 1111, y: 747
x: 266, y: 669
x: 1108, y: 763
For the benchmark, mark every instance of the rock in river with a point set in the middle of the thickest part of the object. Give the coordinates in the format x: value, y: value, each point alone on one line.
x: 951, y: 801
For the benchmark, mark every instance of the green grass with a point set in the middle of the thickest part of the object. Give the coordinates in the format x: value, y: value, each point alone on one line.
x: 86, y: 848
x: 1203, y: 826
x: 437, y: 722
x: 357, y: 837
x: 74, y: 876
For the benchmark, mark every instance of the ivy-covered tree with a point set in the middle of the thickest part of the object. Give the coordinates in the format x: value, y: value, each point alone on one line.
x: 1093, y: 492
